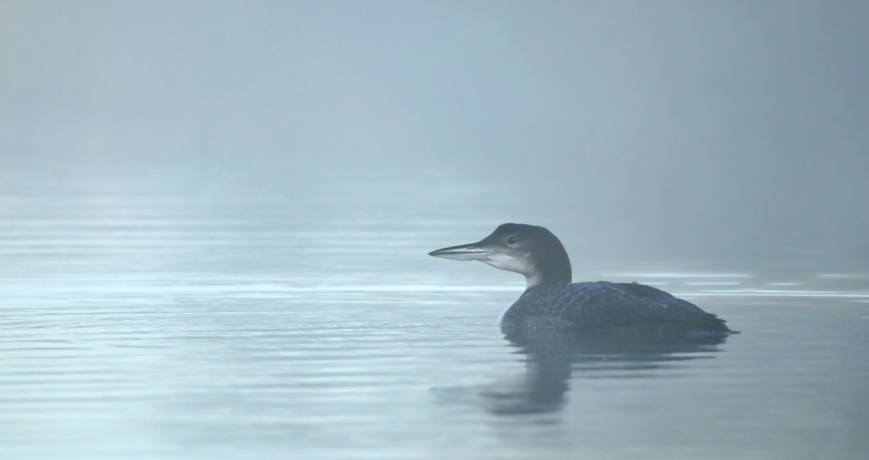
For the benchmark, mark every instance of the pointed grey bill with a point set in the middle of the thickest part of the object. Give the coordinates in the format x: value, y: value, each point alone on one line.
x: 463, y: 252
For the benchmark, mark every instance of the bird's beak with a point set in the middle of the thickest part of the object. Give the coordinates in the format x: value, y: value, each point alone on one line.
x: 471, y: 251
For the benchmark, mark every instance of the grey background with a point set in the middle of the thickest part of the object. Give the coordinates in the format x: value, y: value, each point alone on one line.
x: 732, y: 133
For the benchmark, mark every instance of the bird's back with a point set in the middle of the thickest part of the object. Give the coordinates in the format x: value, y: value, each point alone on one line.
x: 603, y: 306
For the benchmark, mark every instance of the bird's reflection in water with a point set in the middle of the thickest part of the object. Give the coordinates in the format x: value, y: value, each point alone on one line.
x: 551, y: 359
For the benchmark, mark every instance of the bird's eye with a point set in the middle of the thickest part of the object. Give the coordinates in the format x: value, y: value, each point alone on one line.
x: 512, y: 239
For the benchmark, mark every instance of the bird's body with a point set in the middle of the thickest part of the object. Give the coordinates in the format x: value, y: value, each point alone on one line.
x: 552, y: 302
x: 607, y: 306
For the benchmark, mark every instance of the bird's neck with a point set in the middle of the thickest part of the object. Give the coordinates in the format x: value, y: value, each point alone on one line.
x: 553, y: 269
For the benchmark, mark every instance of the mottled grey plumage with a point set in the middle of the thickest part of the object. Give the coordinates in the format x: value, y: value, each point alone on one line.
x: 606, y: 306
x: 551, y: 302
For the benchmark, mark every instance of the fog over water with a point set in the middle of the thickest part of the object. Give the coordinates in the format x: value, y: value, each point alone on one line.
x: 214, y: 220
x: 722, y: 130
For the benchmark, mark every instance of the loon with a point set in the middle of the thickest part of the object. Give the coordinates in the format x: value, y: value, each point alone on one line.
x: 552, y: 302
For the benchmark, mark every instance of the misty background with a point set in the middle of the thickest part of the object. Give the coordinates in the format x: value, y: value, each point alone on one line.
x: 729, y: 133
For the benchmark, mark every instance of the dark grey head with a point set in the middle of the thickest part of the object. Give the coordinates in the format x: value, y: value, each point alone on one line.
x: 527, y: 249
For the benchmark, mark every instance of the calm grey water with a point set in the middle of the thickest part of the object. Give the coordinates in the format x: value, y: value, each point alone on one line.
x: 164, y: 326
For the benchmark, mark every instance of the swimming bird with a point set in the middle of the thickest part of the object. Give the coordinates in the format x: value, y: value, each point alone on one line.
x: 552, y: 302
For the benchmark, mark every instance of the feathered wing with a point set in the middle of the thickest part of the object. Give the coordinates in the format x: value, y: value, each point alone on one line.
x: 604, y: 305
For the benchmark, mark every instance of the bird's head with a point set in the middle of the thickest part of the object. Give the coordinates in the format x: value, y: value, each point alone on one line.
x: 527, y: 249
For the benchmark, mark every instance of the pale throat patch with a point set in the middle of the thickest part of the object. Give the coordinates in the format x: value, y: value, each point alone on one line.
x: 510, y: 263
x: 518, y: 265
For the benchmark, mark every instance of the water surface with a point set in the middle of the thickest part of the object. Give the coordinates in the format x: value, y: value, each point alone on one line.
x: 186, y: 327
